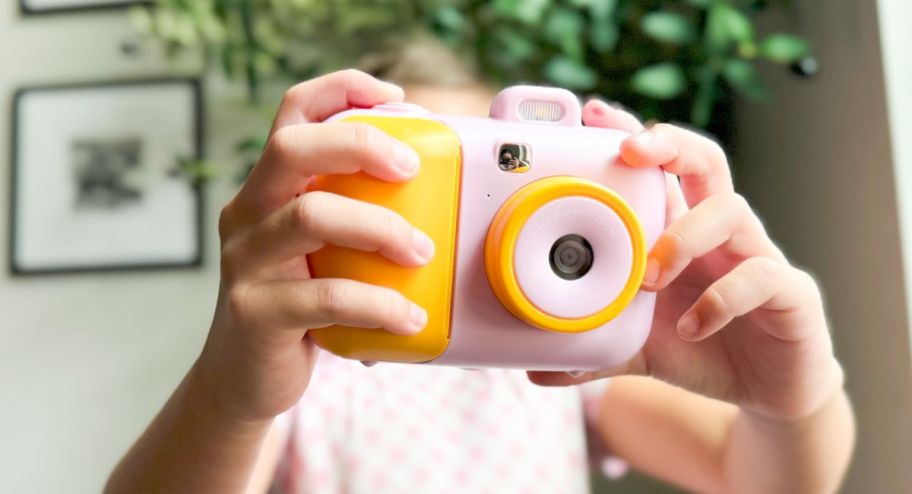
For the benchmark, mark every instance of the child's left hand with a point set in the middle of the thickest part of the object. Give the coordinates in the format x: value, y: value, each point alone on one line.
x: 734, y: 320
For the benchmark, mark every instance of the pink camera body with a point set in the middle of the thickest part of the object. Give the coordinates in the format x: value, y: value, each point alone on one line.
x: 541, y: 235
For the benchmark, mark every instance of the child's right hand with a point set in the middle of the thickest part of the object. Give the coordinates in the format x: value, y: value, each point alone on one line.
x: 257, y: 360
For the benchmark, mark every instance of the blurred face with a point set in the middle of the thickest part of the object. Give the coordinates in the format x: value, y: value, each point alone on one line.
x: 470, y: 101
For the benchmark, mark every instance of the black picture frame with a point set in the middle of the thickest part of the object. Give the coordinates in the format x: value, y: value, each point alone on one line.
x: 95, y: 6
x: 197, y: 187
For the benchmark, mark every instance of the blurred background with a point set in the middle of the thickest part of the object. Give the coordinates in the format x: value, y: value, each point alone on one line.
x: 112, y: 254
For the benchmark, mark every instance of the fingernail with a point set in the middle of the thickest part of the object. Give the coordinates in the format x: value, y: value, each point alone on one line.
x: 688, y: 326
x: 405, y: 158
x: 644, y: 138
x: 418, y: 318
x: 422, y: 245
x: 395, y: 88
x: 653, y: 271
x: 576, y: 373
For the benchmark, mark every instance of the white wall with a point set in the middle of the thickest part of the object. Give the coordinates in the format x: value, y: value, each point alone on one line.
x: 896, y: 41
x: 86, y: 360
x: 818, y: 165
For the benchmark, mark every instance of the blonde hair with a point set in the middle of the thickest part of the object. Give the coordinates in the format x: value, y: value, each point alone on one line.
x: 424, y: 62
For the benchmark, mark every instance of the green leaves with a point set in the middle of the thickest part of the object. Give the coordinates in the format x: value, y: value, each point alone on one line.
x: 570, y: 74
x: 662, y: 81
x: 702, y: 4
x: 742, y: 75
x: 526, y: 11
x: 198, y: 171
x: 704, y: 100
x: 603, y: 36
x: 725, y: 26
x: 450, y: 18
x: 668, y: 27
x: 602, y: 10
x: 673, y: 59
x: 513, y: 49
x: 251, y: 145
x: 563, y: 29
x: 784, y: 48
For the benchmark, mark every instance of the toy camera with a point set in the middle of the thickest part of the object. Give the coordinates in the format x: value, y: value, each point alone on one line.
x: 541, y: 234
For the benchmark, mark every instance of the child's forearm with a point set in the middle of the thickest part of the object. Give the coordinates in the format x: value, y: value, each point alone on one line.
x: 190, y: 447
x: 705, y: 445
x: 809, y: 455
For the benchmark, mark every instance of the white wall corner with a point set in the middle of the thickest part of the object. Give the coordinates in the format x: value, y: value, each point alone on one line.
x: 896, y: 43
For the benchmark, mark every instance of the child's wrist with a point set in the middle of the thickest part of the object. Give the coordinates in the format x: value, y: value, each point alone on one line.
x: 206, y: 399
x: 832, y: 394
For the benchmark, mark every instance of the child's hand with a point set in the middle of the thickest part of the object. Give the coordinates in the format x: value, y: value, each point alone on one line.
x: 257, y: 361
x: 734, y: 320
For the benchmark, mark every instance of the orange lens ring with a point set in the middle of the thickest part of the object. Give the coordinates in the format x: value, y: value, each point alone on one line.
x: 504, y: 231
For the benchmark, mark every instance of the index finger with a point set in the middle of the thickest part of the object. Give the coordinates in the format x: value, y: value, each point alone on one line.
x: 318, y: 99
x: 597, y: 113
x: 699, y: 161
x: 307, y: 102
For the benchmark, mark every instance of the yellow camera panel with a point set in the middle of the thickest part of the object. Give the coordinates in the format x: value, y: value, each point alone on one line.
x: 430, y: 202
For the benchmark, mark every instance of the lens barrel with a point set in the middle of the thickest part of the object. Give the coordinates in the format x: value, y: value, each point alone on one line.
x: 571, y: 257
x: 570, y: 293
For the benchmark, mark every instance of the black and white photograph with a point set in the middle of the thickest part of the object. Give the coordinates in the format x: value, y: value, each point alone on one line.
x: 101, y: 191
x: 106, y: 172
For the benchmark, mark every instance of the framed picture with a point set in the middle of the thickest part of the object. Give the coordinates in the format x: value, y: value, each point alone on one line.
x: 30, y: 7
x: 95, y: 183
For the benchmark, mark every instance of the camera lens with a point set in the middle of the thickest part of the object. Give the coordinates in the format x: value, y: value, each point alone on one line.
x: 571, y: 257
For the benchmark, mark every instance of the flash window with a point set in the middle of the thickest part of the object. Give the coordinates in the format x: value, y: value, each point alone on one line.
x: 514, y: 158
x: 541, y: 111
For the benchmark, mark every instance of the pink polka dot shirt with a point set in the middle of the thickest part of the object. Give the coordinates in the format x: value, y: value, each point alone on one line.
x: 397, y: 428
